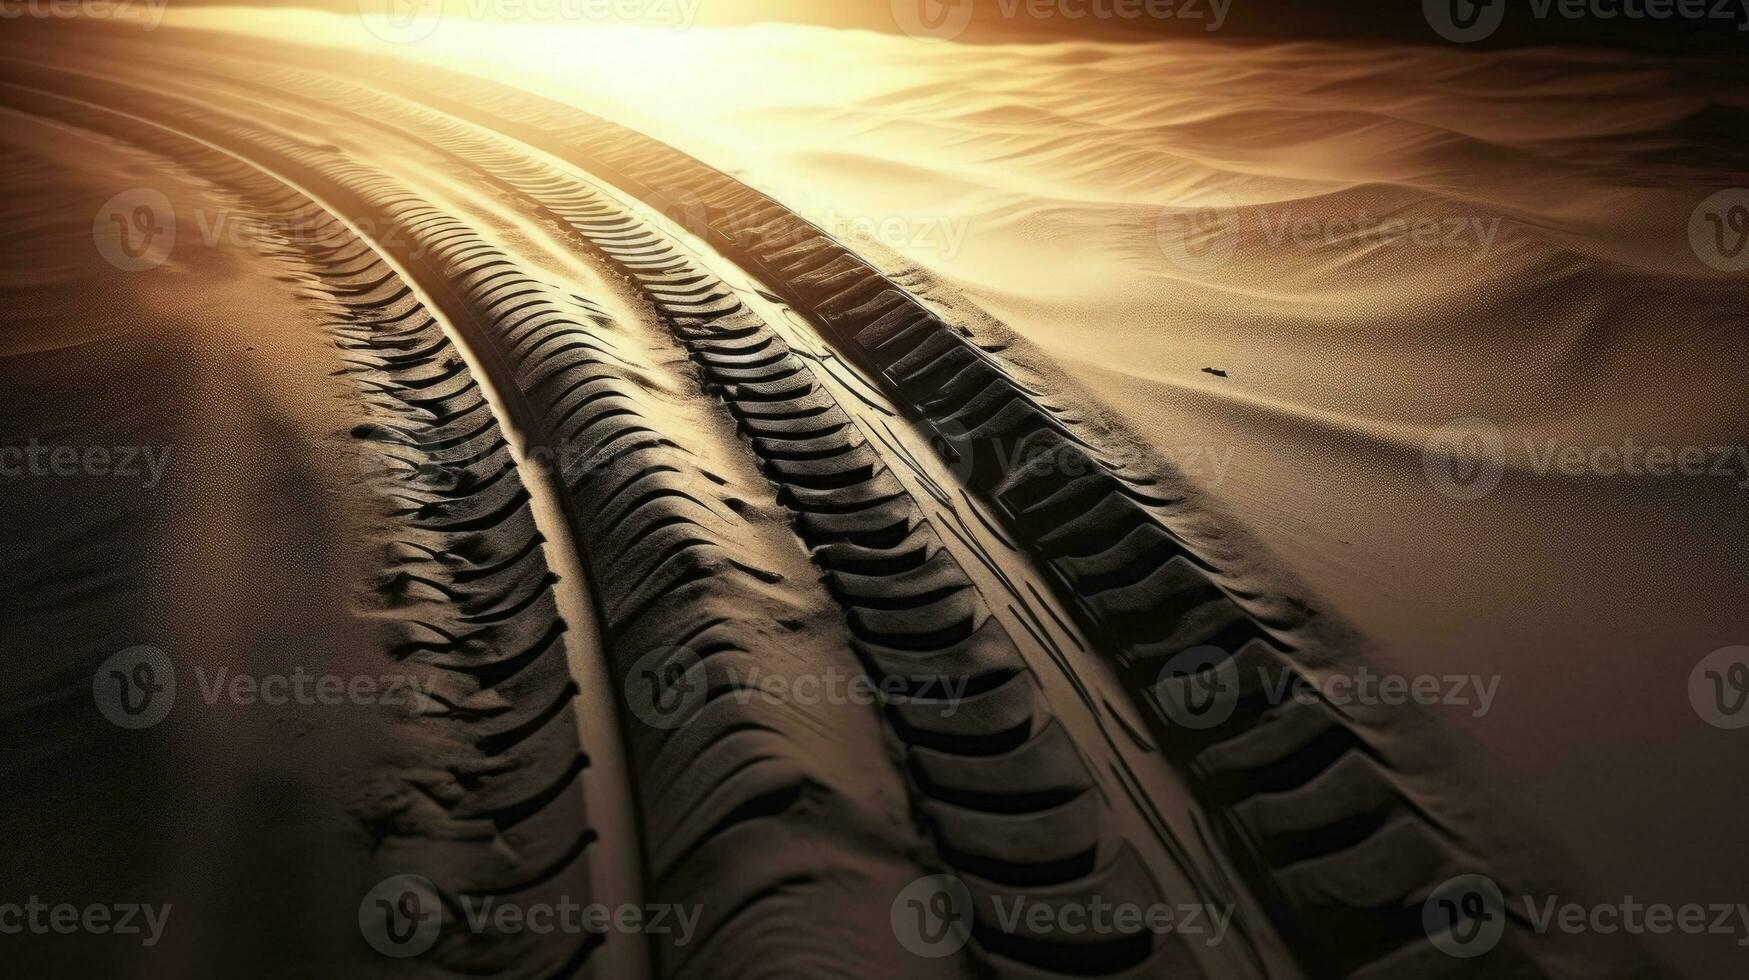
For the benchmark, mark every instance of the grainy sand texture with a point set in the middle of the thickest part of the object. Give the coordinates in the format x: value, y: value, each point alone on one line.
x: 504, y: 496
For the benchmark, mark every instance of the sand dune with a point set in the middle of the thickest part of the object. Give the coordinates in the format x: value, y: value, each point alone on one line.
x: 561, y: 369
x: 1558, y: 296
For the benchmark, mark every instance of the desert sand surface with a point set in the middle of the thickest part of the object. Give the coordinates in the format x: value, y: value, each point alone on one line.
x: 206, y: 390
x: 1542, y: 278
x: 456, y: 375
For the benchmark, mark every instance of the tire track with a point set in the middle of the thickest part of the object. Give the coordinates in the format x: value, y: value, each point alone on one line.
x: 466, y: 597
x: 1346, y: 875
x: 996, y: 767
x: 1010, y: 803
x: 687, y: 545
x: 749, y: 815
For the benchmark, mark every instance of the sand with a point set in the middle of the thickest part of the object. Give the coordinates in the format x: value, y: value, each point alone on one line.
x: 1285, y: 366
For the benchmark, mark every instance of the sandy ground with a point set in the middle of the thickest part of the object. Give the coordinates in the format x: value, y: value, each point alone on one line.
x: 1195, y: 242
x: 1542, y: 278
x: 209, y: 387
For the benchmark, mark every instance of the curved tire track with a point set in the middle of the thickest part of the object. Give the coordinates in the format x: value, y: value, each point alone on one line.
x: 685, y: 504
